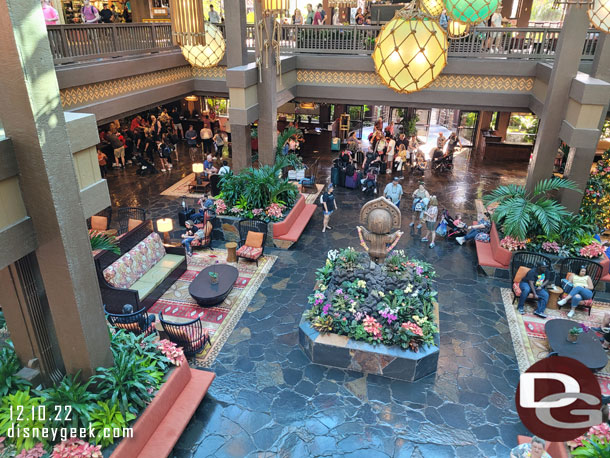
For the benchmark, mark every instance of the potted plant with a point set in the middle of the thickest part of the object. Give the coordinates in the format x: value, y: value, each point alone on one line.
x: 574, y: 333
x: 213, y: 277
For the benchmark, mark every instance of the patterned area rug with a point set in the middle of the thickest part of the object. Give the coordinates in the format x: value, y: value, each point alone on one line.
x: 529, y: 339
x: 181, y: 188
x: 219, y: 320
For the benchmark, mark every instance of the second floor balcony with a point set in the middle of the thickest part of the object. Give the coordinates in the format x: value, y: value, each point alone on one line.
x: 86, y: 42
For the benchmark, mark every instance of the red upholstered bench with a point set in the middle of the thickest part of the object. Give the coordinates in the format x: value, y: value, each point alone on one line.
x: 555, y: 449
x: 492, y: 254
x: 605, y: 262
x: 287, y: 232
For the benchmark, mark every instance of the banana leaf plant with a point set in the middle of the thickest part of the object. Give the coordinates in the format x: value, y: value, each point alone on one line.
x: 103, y: 241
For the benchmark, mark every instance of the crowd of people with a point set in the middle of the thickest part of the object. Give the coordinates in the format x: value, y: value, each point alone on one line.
x: 151, y: 143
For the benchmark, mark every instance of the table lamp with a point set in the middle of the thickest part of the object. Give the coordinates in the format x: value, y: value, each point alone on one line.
x: 165, y: 225
x: 198, y: 169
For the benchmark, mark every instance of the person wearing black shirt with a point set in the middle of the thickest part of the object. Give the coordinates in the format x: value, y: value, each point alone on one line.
x: 437, y: 157
x: 534, y: 282
x: 106, y: 15
x: 330, y: 205
x: 177, y: 121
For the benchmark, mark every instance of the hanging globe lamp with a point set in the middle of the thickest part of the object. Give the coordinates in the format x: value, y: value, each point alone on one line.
x: 471, y: 11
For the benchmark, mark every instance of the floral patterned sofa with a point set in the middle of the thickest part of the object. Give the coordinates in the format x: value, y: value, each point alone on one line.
x: 143, y: 271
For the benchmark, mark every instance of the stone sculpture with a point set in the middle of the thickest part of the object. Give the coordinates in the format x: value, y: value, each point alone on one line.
x: 380, y: 235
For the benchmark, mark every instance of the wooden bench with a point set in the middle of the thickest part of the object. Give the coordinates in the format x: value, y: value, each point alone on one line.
x: 164, y: 420
x: 491, y: 255
x: 287, y: 232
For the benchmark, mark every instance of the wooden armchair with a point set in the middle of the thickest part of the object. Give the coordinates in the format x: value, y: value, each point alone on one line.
x: 139, y: 322
x: 252, y: 237
x: 130, y: 218
x: 520, y: 264
x: 570, y: 266
x: 189, y: 335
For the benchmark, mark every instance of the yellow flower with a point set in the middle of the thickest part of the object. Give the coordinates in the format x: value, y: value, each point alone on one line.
x: 381, y: 294
x: 409, y: 288
x: 361, y: 284
x: 328, y: 263
x: 322, y: 287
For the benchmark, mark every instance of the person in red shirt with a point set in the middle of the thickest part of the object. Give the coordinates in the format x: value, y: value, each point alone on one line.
x: 136, y: 123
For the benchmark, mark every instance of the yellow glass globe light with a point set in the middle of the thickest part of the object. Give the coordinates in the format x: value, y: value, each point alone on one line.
x: 599, y: 15
x: 410, y: 52
x: 457, y: 29
x: 471, y: 11
x: 208, y: 55
x: 432, y: 7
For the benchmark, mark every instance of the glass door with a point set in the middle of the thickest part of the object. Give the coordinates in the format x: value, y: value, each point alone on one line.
x: 356, y: 114
x: 423, y: 124
x: 468, y: 126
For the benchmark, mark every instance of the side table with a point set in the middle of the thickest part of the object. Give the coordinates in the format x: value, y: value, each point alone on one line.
x: 554, y: 295
x: 231, y: 251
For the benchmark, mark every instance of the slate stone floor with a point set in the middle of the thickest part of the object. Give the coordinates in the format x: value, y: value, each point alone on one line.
x: 268, y: 399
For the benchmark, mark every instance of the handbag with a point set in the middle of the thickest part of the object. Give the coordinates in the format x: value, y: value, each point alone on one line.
x: 442, y: 228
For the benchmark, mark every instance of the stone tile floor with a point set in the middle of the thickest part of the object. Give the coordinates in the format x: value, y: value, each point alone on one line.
x: 268, y: 399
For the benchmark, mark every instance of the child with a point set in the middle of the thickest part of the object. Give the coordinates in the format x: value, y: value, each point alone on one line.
x: 458, y: 222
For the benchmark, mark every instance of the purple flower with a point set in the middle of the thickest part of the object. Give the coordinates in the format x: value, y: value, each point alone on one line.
x: 419, y: 270
x: 339, y: 291
x: 326, y: 308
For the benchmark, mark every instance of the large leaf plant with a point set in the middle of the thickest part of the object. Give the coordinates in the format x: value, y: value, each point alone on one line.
x: 524, y: 214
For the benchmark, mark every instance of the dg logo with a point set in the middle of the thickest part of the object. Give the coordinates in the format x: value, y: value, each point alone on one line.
x: 559, y: 399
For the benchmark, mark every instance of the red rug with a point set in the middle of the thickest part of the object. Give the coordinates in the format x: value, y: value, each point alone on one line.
x: 220, y: 320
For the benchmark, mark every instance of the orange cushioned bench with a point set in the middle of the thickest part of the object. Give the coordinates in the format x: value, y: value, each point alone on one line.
x: 287, y: 232
x: 159, y: 427
x: 491, y: 254
x: 555, y: 449
x: 604, y: 283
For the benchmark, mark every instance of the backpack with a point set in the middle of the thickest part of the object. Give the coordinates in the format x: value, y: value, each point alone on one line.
x: 350, y: 170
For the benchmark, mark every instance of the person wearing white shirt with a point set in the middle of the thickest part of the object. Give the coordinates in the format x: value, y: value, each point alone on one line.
x: 224, y: 169
x: 391, y: 146
x: 213, y: 16
x: 208, y: 140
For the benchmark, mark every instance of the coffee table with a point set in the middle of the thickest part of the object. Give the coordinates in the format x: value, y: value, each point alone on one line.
x: 588, y: 349
x: 207, y: 293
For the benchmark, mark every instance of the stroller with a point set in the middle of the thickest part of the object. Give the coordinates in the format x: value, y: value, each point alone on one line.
x: 369, y: 186
x: 444, y: 164
x: 453, y: 230
x: 145, y: 167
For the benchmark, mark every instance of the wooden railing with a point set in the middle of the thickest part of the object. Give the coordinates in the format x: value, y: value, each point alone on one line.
x: 74, y: 43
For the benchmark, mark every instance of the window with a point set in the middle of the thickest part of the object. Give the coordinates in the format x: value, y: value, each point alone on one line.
x: 522, y: 128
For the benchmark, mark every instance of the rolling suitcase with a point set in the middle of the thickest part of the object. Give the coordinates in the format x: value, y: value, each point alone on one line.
x: 351, y: 181
x: 342, y: 176
x: 334, y: 176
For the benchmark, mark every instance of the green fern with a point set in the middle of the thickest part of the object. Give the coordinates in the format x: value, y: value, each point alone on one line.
x: 102, y: 241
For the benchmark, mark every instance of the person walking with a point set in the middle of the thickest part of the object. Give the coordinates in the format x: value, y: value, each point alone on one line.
x: 440, y: 141
x: 51, y: 16
x: 420, y: 198
x: 430, y: 215
x: 207, y: 138
x: 393, y: 191
x: 165, y: 153
x: 191, y: 141
x: 89, y: 13
x: 330, y: 205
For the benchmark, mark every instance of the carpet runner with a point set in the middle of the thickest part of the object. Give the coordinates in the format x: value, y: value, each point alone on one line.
x: 220, y: 320
x: 529, y: 338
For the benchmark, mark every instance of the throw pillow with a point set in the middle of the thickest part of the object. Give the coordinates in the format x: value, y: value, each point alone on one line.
x: 254, y: 239
x: 99, y: 223
x: 133, y: 223
x: 520, y: 274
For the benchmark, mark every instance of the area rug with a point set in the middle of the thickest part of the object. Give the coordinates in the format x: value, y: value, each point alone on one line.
x: 529, y: 339
x: 219, y: 320
x: 181, y: 188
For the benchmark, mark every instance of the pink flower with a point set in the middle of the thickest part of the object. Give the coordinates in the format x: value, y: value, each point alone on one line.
x: 275, y: 210
x: 326, y: 308
x: 36, y: 452
x: 257, y: 211
x: 512, y: 243
x: 74, y: 447
x: 594, y: 250
x: 550, y: 247
x: 171, y: 351
x: 372, y: 326
x: 412, y: 327
x: 221, y: 206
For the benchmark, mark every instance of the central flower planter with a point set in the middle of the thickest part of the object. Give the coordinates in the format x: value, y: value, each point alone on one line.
x: 393, y: 362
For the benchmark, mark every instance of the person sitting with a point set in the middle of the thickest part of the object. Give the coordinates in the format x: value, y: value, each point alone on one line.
x: 457, y: 222
x: 437, y: 158
x: 402, y: 157
x: 188, y: 237
x: 144, y: 324
x: 371, y: 158
x: 370, y: 180
x: 579, y: 288
x: 208, y: 166
x: 534, y: 282
x: 206, y: 203
x: 482, y: 228
x: 224, y: 169
x: 534, y: 449
x: 419, y: 164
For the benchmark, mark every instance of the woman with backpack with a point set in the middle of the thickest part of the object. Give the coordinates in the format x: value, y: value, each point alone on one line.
x: 420, y: 200
x: 165, y: 153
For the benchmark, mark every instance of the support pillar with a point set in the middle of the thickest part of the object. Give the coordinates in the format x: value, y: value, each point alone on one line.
x: 235, y: 26
x: 565, y: 68
x: 267, y: 92
x: 578, y: 167
x: 140, y: 9
x: 524, y: 13
x: 33, y: 117
x: 241, y: 147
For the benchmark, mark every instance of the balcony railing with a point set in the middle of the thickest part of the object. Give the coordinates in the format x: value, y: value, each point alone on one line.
x: 73, y: 43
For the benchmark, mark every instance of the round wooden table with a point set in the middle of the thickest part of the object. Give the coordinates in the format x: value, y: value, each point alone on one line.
x: 554, y: 295
x: 231, y: 251
x: 207, y: 293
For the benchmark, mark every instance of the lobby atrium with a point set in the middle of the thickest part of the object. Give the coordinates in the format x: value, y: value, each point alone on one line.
x: 256, y: 228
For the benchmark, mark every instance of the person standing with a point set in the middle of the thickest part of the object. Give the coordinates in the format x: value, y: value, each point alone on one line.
x: 390, y: 148
x: 213, y: 16
x: 443, y: 20
x: 165, y: 153
x: 393, y: 191
x: 224, y: 169
x: 51, y: 16
x: 219, y: 143
x: 207, y: 138
x: 359, y: 17
x: 175, y: 115
x: 330, y: 205
x: 534, y: 282
x: 452, y: 143
x: 191, y: 141
x: 89, y: 13
x: 118, y: 147
x: 430, y: 215
x: 102, y: 161
x: 106, y: 14
x: 297, y: 17
x: 318, y: 19
x: 420, y: 199
x: 310, y: 15
x: 188, y: 237
x: 440, y: 141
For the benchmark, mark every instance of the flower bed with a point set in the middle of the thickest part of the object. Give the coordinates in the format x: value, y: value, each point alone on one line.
x: 390, y: 307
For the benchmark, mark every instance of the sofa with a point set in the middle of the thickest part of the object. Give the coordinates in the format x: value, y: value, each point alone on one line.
x: 492, y: 254
x: 287, y: 232
x: 143, y: 271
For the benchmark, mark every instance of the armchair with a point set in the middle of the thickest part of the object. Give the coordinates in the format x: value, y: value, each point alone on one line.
x: 189, y: 335
x: 139, y: 322
x: 528, y: 260
x: 252, y: 250
x: 570, y: 266
x: 130, y: 217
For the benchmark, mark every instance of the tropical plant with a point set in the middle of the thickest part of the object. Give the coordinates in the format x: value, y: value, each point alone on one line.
x: 10, y: 382
x: 74, y: 447
x: 37, y: 451
x: 70, y: 392
x: 2, y: 320
x: 108, y: 417
x: 522, y: 213
x: 594, y: 447
x: 6, y: 450
x: 409, y: 125
x: 283, y: 138
x: 103, y: 241
x: 19, y: 411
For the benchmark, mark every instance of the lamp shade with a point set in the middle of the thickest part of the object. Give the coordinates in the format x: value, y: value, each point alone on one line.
x: 187, y: 22
x: 165, y: 225
x: 471, y: 11
x: 198, y: 167
x: 275, y: 6
x: 457, y: 29
x: 599, y: 15
x: 410, y: 52
x: 208, y: 55
x: 433, y: 7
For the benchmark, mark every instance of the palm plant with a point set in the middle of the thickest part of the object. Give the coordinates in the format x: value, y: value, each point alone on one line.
x: 102, y: 241
x: 283, y: 138
x: 522, y: 213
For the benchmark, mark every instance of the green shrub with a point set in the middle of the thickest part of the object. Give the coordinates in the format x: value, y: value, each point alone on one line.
x: 20, y: 410
x: 104, y: 416
x: 9, y: 366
